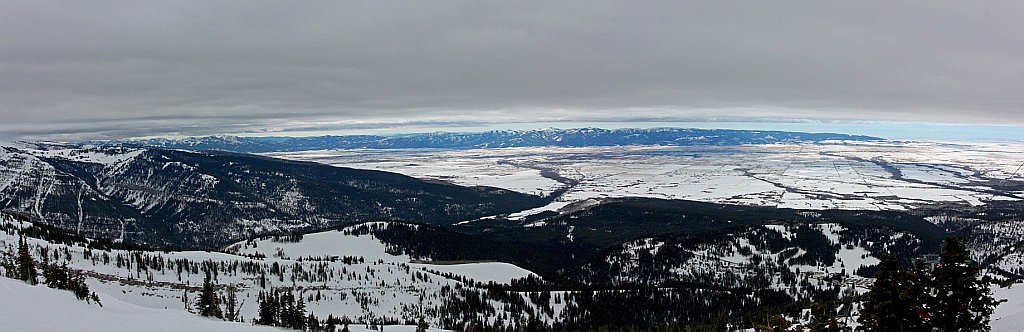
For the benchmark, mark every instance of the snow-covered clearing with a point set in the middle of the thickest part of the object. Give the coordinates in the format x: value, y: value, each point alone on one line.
x: 482, y: 272
x: 323, y: 244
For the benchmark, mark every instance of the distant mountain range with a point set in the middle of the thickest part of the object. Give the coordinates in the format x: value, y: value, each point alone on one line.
x: 491, y: 139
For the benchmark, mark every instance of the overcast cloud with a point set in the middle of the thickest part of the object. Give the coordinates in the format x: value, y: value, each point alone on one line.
x: 96, y: 69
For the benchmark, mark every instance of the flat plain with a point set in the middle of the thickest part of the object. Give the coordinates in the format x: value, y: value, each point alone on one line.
x: 880, y: 175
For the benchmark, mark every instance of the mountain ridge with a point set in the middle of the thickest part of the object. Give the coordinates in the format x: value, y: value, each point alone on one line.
x: 164, y: 197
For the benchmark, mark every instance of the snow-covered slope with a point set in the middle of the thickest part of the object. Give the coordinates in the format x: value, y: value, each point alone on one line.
x: 1009, y: 316
x: 362, y: 282
x: 485, y: 272
x: 36, y: 308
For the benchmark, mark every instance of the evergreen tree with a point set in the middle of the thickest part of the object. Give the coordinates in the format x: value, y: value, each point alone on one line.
x: 54, y: 276
x: 62, y: 277
x: 278, y: 308
x: 962, y: 301
x: 422, y: 325
x: 10, y: 267
x: 312, y: 324
x: 76, y: 284
x: 209, y: 304
x: 895, y: 300
x: 330, y: 325
x: 299, y: 314
x: 274, y: 304
x: 26, y: 265
x: 286, y: 307
x: 824, y: 318
x: 345, y: 321
x: 267, y: 310
x: 231, y: 306
x: 184, y: 299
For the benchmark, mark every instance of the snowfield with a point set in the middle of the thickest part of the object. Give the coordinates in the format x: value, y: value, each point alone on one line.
x: 496, y: 272
x: 323, y: 244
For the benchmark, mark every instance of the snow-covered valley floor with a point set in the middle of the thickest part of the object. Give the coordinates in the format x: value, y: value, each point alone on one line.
x: 884, y: 175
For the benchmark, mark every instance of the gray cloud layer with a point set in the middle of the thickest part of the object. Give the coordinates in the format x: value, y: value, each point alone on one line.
x: 95, y: 68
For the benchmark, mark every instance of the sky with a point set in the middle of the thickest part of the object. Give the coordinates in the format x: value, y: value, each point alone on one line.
x: 112, y: 69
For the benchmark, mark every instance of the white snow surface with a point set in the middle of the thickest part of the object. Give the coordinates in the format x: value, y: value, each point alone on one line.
x: 330, y: 243
x: 485, y: 272
x: 36, y: 308
x: 1009, y: 316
